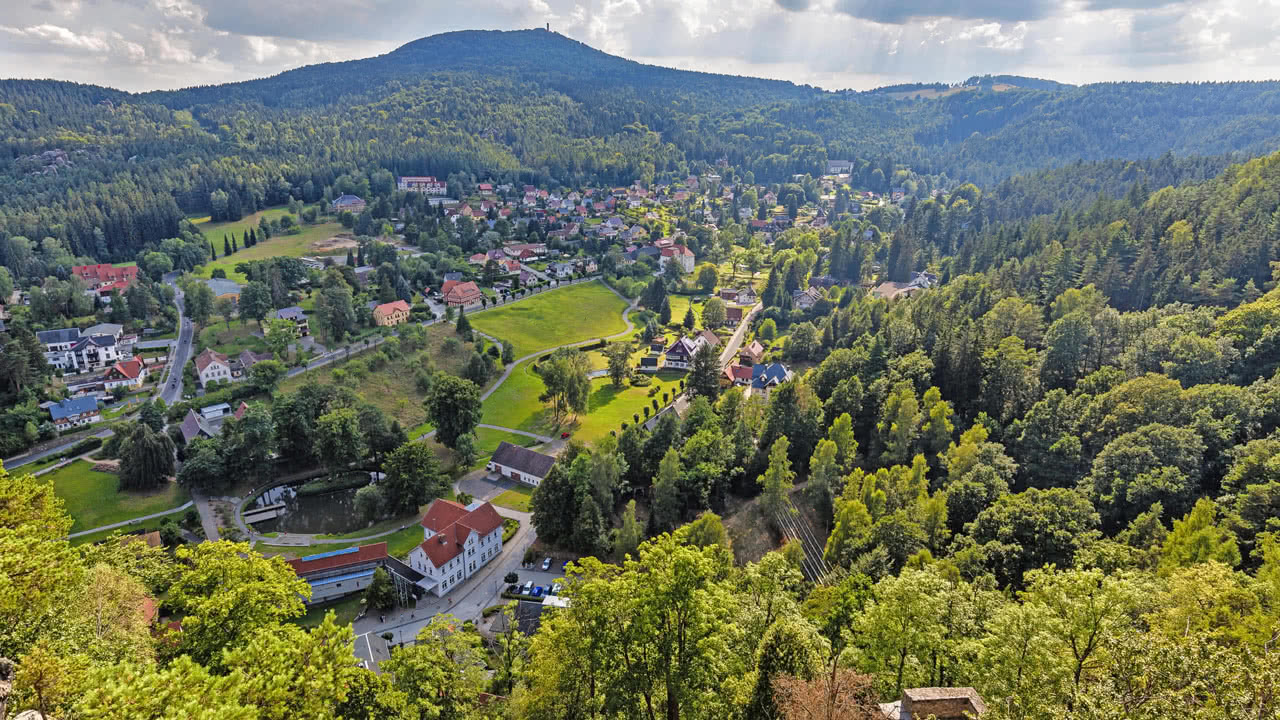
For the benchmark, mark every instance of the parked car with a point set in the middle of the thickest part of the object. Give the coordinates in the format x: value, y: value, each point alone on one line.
x: 528, y: 587
x: 537, y: 592
x: 555, y: 589
x: 564, y: 435
x: 546, y: 564
x: 513, y: 589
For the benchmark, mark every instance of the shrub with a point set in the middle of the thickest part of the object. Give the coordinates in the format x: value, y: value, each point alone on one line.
x: 510, y: 578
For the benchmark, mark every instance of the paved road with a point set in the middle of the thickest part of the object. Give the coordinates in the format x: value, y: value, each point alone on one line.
x: 735, y: 342
x: 172, y: 389
x: 21, y: 460
x: 535, y: 436
x: 133, y: 521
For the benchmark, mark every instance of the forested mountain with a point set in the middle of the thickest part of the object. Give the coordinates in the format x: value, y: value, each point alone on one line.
x: 538, y: 107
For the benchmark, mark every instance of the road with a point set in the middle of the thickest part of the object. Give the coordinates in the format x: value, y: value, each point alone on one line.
x: 132, y: 521
x: 735, y: 342
x: 172, y: 389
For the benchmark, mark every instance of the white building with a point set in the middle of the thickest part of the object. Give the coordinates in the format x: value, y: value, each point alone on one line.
x: 212, y: 367
x: 678, y: 253
x: 458, y: 542
x: 520, y: 464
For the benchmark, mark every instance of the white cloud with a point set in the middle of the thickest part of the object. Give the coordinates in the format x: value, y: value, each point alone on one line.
x: 147, y: 44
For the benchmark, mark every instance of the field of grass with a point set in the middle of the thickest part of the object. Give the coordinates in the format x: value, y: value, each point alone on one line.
x: 680, y: 305
x: 287, y: 245
x: 398, y: 544
x: 515, y: 403
x: 580, y: 312
x: 392, y: 387
x: 344, y: 610
x: 144, y: 525
x: 93, y: 500
x: 517, y: 498
x: 230, y: 342
x: 610, y: 407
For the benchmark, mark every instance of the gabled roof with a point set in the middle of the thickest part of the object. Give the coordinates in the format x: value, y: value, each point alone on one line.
x: 292, y: 312
x: 451, y: 524
x: 104, y: 329
x: 738, y: 373
x: 208, y: 357
x: 683, y: 346
x: 461, y: 290
x: 529, y: 462
x: 193, y: 426
x: 336, y: 559
x: 128, y: 369
x: 710, y: 338
x: 96, y: 340
x: 73, y: 406
x: 391, y: 307
x: 765, y: 375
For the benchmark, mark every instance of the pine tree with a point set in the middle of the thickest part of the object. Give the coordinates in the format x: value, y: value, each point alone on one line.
x: 351, y: 259
x: 234, y: 248
x: 253, y: 237
x: 464, y: 325
x: 689, y: 319
x: 778, y: 479
x: 704, y: 374
x: 360, y: 256
x: 664, y: 313
x: 213, y: 254
x: 226, y: 246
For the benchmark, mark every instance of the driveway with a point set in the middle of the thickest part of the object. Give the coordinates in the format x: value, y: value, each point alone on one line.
x: 735, y: 342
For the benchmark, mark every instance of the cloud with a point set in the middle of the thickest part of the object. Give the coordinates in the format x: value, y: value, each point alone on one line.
x: 148, y: 44
x: 905, y: 11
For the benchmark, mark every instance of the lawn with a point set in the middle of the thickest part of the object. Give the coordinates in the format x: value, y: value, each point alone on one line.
x: 144, y: 525
x: 393, y: 387
x: 517, y: 498
x: 515, y: 403
x: 556, y: 317
x: 487, y: 441
x: 93, y: 500
x: 306, y: 242
x: 230, y: 342
x: 680, y: 305
x: 398, y: 544
x: 610, y: 407
x: 344, y: 609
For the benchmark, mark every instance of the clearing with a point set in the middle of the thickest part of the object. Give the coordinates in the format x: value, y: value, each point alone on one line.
x: 553, y: 318
x: 609, y: 407
x: 328, y: 238
x: 93, y: 498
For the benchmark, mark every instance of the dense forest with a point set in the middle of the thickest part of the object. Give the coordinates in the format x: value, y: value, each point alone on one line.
x: 536, y: 107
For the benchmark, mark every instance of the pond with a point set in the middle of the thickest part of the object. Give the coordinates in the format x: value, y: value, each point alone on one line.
x: 331, y: 512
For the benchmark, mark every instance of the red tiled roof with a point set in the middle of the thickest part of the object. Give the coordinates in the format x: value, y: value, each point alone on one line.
x: 738, y: 372
x: 208, y: 356
x: 106, y: 273
x: 462, y: 292
x: 129, y: 369
x: 452, y: 524
x: 391, y: 307
x: 363, y: 554
x: 240, y: 411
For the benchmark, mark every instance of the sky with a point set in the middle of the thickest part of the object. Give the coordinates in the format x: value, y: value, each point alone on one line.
x: 835, y: 44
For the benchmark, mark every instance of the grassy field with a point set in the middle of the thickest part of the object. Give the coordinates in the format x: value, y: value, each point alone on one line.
x: 557, y: 317
x: 230, y: 342
x: 610, y: 407
x: 344, y: 610
x: 680, y: 305
x: 515, y: 403
x: 93, y: 500
x: 392, y: 387
x: 304, y: 243
x: 144, y: 525
x: 517, y: 498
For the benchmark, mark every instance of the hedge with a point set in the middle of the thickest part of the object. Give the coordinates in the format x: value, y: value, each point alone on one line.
x: 236, y: 391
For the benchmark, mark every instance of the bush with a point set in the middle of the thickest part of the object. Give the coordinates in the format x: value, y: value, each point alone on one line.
x: 83, y: 446
x: 511, y: 578
x: 640, y: 380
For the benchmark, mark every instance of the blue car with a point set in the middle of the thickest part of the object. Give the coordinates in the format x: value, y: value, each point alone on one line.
x: 537, y: 592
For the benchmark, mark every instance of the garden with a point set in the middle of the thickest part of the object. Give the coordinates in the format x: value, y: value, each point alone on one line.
x: 93, y: 498
x: 565, y: 315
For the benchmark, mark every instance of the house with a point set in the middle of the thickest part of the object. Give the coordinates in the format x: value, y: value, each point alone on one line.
x: 349, y: 203
x: 426, y: 185
x: 678, y: 253
x: 298, y: 316
x: 245, y: 361
x: 363, y: 273
x: 58, y: 340
x: 920, y: 281
x: 103, y: 279
x: 391, y: 314
x: 240, y: 411
x: 680, y: 353
x: 509, y: 266
x: 213, y: 412
x: 478, y: 259
x: 127, y: 374
x: 339, y: 572
x: 637, y: 254
x: 805, y: 299
x: 942, y: 703
x: 461, y: 293
x: 74, y: 412
x: 733, y: 315
x: 710, y: 338
x: 194, y: 426
x: 560, y: 270
x: 223, y: 288
x: 112, y: 329
x: 837, y: 167
x: 520, y: 464
x: 212, y: 366
x: 458, y: 541
x: 738, y: 374
x: 650, y: 363
x: 729, y: 295
x: 764, y: 377
x: 86, y: 354
x: 752, y: 353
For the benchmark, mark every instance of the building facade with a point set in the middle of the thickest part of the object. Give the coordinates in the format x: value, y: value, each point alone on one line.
x: 458, y: 542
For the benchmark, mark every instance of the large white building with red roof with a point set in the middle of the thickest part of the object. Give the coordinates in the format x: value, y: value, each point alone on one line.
x: 458, y: 541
